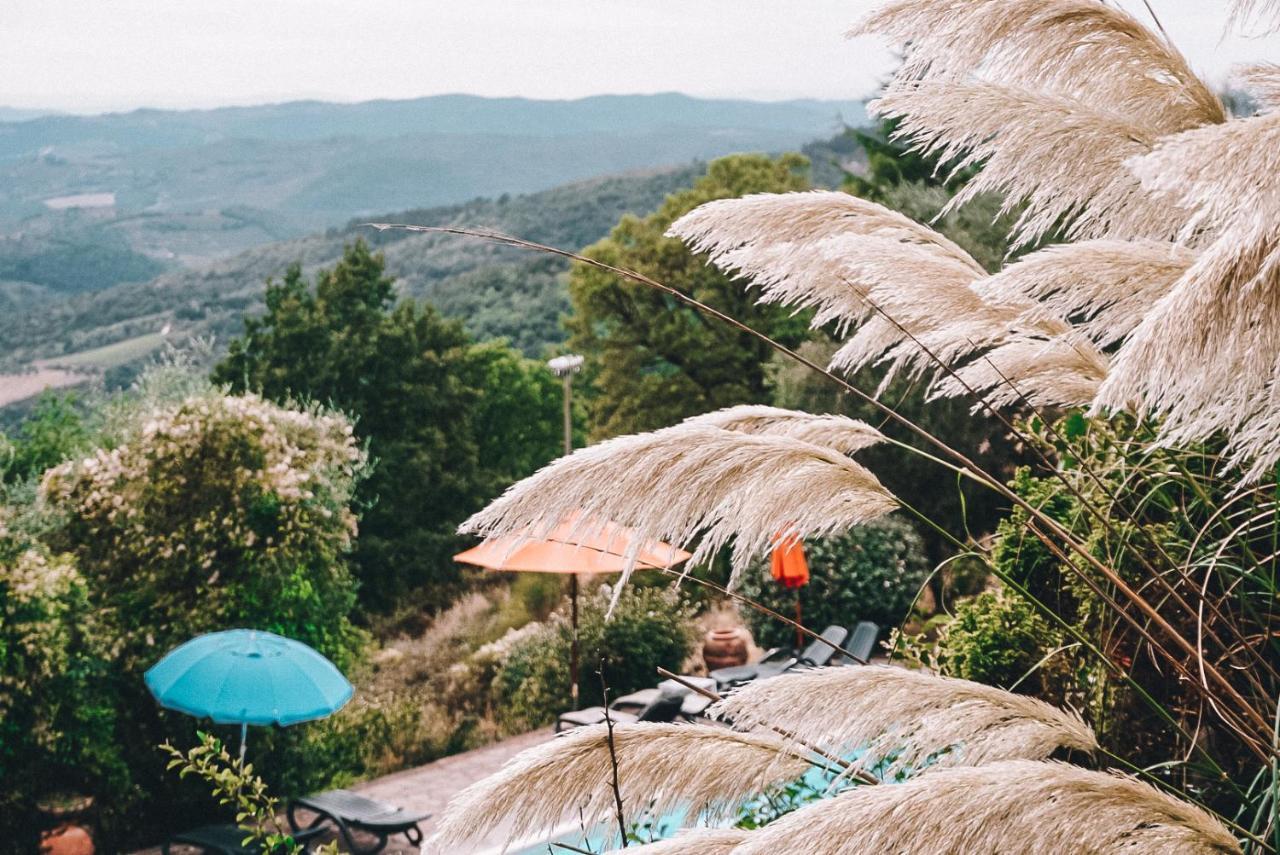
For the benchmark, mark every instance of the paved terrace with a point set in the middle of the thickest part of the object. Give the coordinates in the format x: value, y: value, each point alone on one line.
x: 428, y: 788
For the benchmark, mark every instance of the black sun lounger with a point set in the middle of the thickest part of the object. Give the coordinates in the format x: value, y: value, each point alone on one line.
x: 353, y: 812
x: 227, y: 839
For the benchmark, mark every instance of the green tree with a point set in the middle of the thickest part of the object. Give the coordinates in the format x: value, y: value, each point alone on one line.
x: 652, y: 361
x: 447, y: 423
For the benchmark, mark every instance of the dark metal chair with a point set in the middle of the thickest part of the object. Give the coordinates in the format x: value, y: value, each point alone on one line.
x: 819, y: 652
x: 353, y: 812
x: 664, y: 704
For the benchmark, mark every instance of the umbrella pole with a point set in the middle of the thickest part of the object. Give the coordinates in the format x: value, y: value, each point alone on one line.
x: 244, y: 734
x: 799, y: 623
x: 573, y: 656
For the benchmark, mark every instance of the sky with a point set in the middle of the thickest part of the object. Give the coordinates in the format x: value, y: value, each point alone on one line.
x: 90, y: 56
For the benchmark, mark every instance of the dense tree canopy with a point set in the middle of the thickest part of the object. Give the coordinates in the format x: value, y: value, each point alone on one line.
x: 652, y: 361
x: 447, y: 423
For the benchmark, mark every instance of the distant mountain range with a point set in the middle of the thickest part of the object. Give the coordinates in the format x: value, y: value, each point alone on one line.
x: 113, y: 228
x: 182, y: 187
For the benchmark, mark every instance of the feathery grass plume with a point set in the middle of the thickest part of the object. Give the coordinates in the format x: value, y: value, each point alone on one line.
x: 1106, y: 287
x: 1063, y: 371
x: 919, y: 335
x: 853, y: 261
x: 1080, y: 48
x: 1243, y: 10
x: 1205, y: 358
x: 688, y: 480
x: 908, y: 717
x: 1062, y: 158
x: 1015, y: 806
x: 692, y: 841
x: 840, y: 433
x: 1225, y: 175
x: 766, y: 219
x: 1261, y: 80
x: 823, y: 250
x: 666, y: 767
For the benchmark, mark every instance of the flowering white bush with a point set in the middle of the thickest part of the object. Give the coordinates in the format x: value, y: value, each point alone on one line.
x: 217, y: 511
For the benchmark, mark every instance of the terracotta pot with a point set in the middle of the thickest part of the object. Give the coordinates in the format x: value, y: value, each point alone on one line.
x: 66, y: 839
x: 725, y: 648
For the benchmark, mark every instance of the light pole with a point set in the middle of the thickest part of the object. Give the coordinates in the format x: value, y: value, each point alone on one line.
x: 565, y: 367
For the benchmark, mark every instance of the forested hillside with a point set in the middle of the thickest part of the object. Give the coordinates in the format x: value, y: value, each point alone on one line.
x: 457, y: 274
x: 499, y: 292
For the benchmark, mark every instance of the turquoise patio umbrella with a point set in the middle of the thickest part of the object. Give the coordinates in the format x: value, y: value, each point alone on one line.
x: 248, y: 676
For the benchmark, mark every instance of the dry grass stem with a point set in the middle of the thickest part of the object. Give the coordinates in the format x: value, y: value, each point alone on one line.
x: 1013, y: 807
x: 906, y: 717
x: 693, y: 480
x: 839, y: 433
x: 670, y: 767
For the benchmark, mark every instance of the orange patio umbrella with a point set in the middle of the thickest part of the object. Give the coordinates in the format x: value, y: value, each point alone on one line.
x: 575, y: 546
x: 788, y: 566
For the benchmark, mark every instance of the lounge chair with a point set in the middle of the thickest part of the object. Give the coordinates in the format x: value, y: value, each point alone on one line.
x: 353, y: 812
x: 665, y: 703
x: 227, y: 839
x: 777, y: 661
x: 862, y: 644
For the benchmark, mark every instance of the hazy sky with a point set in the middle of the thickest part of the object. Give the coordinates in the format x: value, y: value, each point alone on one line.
x: 95, y: 55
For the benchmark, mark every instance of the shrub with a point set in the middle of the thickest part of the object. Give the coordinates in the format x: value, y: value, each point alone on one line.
x: 873, y: 572
x: 205, y: 514
x: 997, y: 638
x: 649, y: 627
x: 55, y: 724
x: 220, y: 511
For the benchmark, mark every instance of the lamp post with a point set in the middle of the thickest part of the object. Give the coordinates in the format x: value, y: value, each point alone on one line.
x: 565, y: 367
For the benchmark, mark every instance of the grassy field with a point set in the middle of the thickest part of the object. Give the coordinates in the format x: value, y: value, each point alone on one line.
x: 19, y: 387
x: 109, y: 356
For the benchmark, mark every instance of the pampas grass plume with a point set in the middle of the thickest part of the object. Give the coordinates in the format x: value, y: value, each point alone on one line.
x: 662, y: 767
x: 909, y: 718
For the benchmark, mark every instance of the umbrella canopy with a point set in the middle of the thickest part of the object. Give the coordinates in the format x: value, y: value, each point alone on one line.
x: 574, y: 546
x: 577, y: 545
x: 246, y: 676
x: 788, y: 564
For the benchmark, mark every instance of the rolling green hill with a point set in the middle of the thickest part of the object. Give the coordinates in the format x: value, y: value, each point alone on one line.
x: 462, y: 276
x: 500, y: 292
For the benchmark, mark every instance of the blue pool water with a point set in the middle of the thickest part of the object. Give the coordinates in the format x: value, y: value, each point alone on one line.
x: 812, y: 785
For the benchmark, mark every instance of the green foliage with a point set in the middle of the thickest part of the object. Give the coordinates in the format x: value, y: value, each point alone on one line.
x: 891, y: 164
x: 652, y: 361
x: 235, y: 785
x: 448, y: 424
x: 56, y: 722
x: 53, y: 431
x: 872, y: 572
x: 997, y: 638
x: 530, y: 684
x: 1140, y: 510
x: 220, y: 511
x: 209, y: 513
